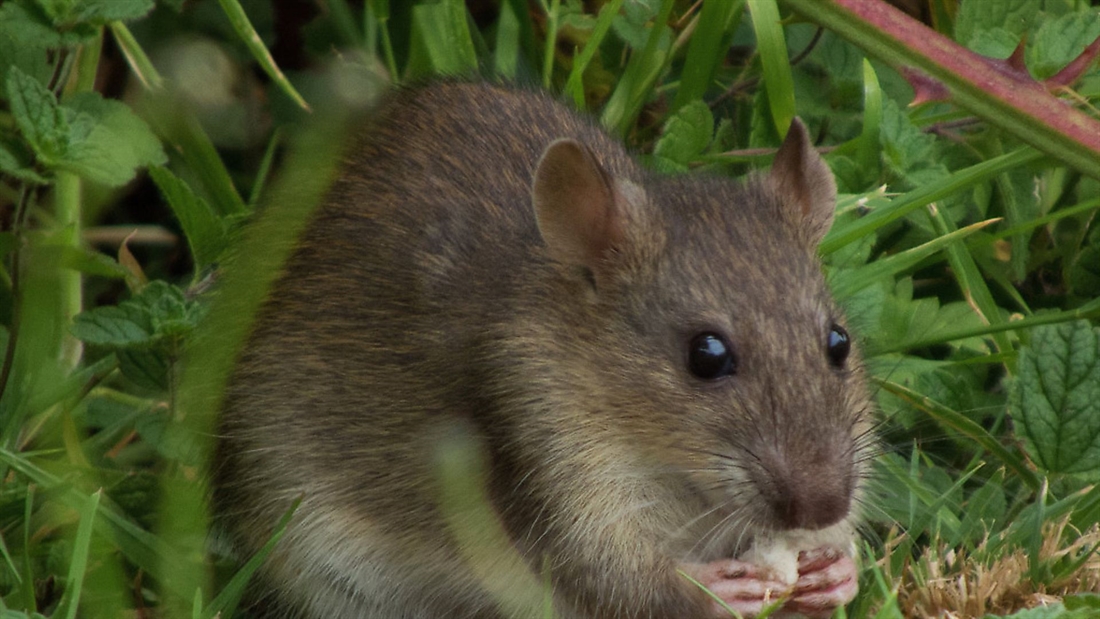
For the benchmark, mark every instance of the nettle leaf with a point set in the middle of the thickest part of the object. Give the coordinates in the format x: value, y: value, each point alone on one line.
x: 160, y: 316
x: 907, y: 151
x: 995, y: 43
x: 205, y: 232
x: 98, y: 139
x: 1084, y: 275
x: 26, y: 31
x: 687, y: 134
x: 94, y: 12
x: 17, y: 161
x: 1058, y: 41
x: 632, y: 25
x: 40, y: 120
x: 1056, y: 397
x: 107, y: 141
x: 1012, y: 15
x: 122, y: 326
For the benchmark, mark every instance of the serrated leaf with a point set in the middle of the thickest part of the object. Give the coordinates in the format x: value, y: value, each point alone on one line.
x: 107, y: 141
x: 17, y: 161
x: 687, y: 134
x: 26, y: 31
x: 40, y: 120
x: 121, y: 326
x: 994, y: 43
x: 1060, y: 40
x: 1056, y: 397
x: 94, y: 12
x: 632, y: 25
x: 160, y: 312
x: 206, y: 234
x: 1012, y: 15
x: 147, y: 369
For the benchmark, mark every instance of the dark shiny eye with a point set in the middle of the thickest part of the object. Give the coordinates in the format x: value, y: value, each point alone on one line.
x: 711, y: 357
x: 838, y: 346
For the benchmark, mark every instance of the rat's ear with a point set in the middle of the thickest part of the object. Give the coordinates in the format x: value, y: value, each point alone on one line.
x: 804, y: 185
x: 579, y: 212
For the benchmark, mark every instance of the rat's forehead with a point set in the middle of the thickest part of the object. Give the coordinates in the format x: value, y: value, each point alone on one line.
x: 727, y: 249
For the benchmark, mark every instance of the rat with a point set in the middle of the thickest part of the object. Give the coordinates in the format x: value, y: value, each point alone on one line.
x: 651, y: 367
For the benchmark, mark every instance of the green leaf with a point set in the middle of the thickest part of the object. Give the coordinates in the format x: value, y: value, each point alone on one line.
x: 17, y: 161
x: 1082, y: 600
x: 123, y: 326
x: 206, y: 234
x: 94, y: 12
x: 1058, y: 41
x: 159, y: 312
x: 687, y: 134
x: 632, y: 26
x: 1054, y: 611
x: 1012, y: 15
x: 1056, y: 397
x: 108, y: 142
x: 40, y: 120
x: 26, y: 32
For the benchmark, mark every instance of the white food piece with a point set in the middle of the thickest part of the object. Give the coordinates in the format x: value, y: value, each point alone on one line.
x: 777, y: 556
x: 778, y: 553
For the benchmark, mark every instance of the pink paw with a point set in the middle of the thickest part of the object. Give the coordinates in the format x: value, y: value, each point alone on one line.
x: 826, y: 581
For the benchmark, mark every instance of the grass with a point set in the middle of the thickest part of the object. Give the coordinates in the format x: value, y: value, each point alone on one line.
x: 971, y: 280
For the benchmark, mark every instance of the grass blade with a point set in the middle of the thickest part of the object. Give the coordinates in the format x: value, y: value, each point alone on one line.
x: 953, y: 420
x: 1089, y: 311
x: 847, y: 283
x: 136, y: 57
x: 237, y: 17
x: 641, y: 73
x: 226, y: 602
x: 903, y: 205
x: 869, y: 145
x: 78, y: 566
x: 575, y: 86
x: 771, y: 45
x: 717, y: 22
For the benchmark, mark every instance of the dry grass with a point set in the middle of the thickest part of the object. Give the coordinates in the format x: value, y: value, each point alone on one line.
x: 951, y: 584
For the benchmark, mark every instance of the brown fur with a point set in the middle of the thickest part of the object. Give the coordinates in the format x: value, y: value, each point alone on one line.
x: 423, y: 295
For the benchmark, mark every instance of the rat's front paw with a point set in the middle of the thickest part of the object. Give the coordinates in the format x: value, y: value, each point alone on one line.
x: 744, y: 587
x: 827, y: 580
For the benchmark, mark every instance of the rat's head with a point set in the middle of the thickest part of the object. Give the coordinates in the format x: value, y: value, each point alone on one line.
x: 715, y: 348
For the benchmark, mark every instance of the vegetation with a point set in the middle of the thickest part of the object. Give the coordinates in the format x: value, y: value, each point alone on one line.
x: 136, y: 139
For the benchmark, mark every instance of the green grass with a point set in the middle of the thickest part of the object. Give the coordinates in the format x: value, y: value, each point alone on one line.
x: 972, y: 280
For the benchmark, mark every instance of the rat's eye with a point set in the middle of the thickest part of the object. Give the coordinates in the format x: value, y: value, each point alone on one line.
x: 838, y: 346
x: 711, y: 357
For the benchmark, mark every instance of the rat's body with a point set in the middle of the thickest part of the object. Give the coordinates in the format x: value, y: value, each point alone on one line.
x: 493, y: 262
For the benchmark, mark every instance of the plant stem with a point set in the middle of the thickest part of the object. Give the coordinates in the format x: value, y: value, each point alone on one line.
x: 67, y: 202
x: 987, y: 88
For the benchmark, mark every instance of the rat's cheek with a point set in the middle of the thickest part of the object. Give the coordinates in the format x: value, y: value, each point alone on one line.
x: 744, y: 587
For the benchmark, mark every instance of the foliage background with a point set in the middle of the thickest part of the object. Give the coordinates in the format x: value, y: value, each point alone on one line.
x: 137, y: 139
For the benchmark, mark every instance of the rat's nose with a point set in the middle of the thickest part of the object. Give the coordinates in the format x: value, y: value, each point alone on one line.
x: 808, y: 492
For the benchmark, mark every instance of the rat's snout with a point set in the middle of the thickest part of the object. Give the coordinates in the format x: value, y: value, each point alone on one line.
x: 808, y: 492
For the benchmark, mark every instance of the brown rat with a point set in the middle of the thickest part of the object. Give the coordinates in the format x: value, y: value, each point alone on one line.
x: 653, y: 364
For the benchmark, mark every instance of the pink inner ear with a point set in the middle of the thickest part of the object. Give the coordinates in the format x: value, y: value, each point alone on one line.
x: 575, y: 204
